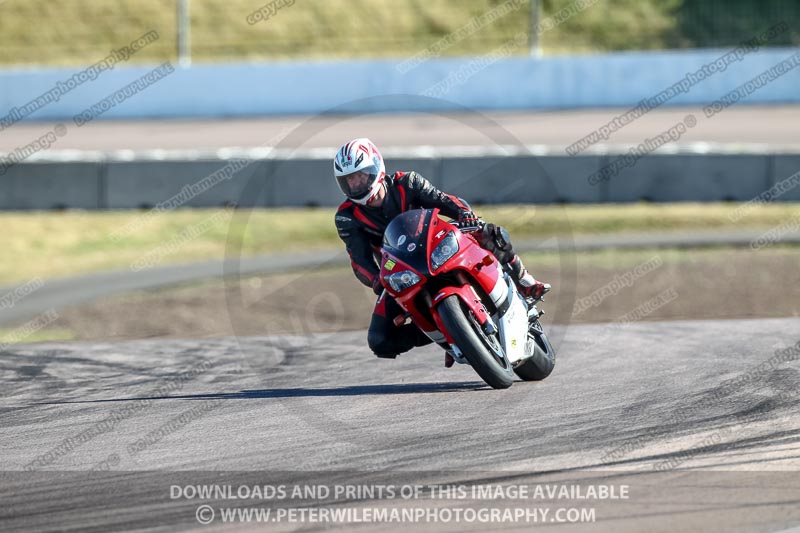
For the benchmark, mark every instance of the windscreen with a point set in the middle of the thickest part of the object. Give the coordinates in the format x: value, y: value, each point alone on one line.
x: 405, y: 238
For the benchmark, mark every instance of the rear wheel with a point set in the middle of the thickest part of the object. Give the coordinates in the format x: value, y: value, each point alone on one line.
x: 483, y: 351
x: 541, y: 363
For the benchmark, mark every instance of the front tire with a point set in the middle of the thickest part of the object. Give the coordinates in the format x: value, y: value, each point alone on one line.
x: 541, y: 363
x: 477, y: 347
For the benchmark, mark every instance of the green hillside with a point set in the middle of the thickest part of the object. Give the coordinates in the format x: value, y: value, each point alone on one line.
x: 83, y: 31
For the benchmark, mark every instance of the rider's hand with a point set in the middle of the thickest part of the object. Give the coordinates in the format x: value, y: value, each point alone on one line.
x: 467, y: 219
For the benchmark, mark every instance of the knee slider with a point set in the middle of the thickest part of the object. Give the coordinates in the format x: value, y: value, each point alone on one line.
x: 380, y: 347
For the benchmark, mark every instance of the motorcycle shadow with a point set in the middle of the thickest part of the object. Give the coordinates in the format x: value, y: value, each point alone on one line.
x: 303, y: 392
x: 365, y: 390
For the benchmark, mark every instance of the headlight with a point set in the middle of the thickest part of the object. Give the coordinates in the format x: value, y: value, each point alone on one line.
x: 445, y: 250
x: 400, y: 281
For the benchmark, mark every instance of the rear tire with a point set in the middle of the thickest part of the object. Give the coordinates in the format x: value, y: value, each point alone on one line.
x: 475, y: 344
x: 543, y: 360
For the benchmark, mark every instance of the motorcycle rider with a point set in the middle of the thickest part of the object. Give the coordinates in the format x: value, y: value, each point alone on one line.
x: 373, y: 200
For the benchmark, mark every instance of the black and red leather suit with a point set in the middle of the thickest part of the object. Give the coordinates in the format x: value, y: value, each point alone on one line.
x: 361, y: 228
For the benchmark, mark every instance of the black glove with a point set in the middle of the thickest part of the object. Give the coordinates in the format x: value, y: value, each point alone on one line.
x: 377, y: 286
x: 467, y: 219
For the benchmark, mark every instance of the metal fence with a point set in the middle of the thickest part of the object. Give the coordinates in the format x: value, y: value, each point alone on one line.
x: 81, y: 31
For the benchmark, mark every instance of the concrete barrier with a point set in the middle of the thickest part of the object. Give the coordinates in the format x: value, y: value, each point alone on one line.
x: 308, y: 181
x: 309, y: 87
x: 302, y: 182
x: 691, y: 178
x: 526, y: 179
x: 783, y: 168
x: 145, y: 184
x: 429, y: 167
x: 52, y: 186
x: 489, y: 180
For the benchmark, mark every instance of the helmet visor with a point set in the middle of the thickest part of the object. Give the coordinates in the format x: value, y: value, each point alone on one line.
x: 358, y: 184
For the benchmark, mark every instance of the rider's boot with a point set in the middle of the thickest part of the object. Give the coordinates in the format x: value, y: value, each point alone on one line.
x: 526, y: 284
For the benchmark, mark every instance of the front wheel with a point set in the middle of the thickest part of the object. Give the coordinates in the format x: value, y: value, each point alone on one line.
x: 539, y: 365
x: 483, y: 351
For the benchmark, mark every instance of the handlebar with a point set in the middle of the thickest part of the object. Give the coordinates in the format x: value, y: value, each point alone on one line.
x: 470, y: 228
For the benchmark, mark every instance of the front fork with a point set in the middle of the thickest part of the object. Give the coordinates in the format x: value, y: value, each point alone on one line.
x: 534, y: 327
x: 533, y: 312
x: 470, y: 298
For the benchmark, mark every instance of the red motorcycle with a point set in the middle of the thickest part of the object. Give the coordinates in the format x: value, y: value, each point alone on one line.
x: 460, y: 296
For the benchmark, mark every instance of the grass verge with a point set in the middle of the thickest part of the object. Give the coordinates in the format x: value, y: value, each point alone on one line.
x: 595, y: 286
x: 52, y: 244
x: 10, y: 337
x: 83, y: 31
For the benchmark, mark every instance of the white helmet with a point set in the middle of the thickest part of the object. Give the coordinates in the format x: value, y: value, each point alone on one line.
x: 359, y: 155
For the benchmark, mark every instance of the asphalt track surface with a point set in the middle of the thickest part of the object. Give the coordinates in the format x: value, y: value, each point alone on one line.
x: 699, y: 419
x: 759, y: 127
x: 711, y: 405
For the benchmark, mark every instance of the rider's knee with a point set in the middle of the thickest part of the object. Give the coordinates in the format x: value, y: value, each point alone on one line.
x: 380, y: 346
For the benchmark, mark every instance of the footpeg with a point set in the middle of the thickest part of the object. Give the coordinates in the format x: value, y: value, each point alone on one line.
x: 401, y: 320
